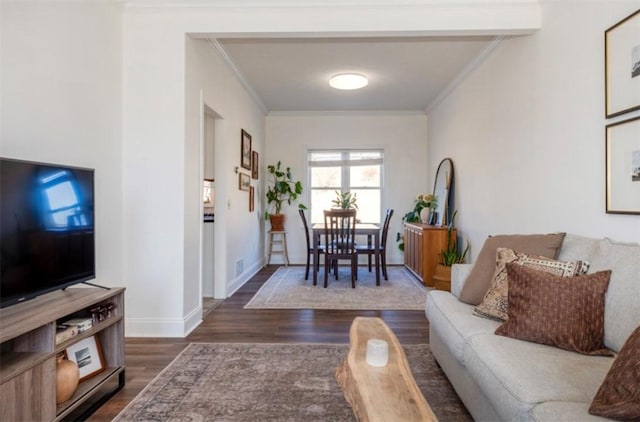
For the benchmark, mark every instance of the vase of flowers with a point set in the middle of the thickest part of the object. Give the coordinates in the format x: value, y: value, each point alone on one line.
x: 423, y: 209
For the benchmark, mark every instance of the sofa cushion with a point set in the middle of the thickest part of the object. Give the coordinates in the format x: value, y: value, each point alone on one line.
x: 555, y: 411
x: 558, y: 311
x: 495, y: 302
x: 622, y: 313
x: 516, y: 375
x: 479, y: 280
x: 619, y: 395
x: 454, y: 322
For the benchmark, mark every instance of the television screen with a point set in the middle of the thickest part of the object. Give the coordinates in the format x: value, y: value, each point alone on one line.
x: 46, y: 228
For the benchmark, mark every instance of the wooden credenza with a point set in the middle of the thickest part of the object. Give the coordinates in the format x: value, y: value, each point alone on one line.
x: 422, y: 246
x: 28, y: 354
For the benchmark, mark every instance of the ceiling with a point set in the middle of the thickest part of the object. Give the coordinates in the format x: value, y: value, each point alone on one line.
x: 405, y: 74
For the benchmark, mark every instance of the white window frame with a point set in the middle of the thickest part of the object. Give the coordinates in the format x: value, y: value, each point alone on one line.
x: 345, y: 174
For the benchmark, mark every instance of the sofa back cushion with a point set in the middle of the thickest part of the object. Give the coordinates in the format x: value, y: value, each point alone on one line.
x: 479, y: 280
x: 622, y: 304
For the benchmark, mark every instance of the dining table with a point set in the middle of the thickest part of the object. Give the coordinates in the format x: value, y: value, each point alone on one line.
x: 370, y: 230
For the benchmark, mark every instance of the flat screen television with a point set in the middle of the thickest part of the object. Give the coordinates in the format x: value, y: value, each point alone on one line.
x: 47, y: 239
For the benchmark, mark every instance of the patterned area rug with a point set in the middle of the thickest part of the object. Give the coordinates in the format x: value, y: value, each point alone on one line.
x: 271, y: 382
x: 287, y: 289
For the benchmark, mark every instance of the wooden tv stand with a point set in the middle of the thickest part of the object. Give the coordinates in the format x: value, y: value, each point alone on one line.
x: 28, y: 354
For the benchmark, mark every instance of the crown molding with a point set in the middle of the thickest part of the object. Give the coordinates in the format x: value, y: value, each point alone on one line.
x: 460, y: 77
x: 243, y: 80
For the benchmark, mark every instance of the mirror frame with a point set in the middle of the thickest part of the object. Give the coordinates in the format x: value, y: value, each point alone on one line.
x: 444, y: 204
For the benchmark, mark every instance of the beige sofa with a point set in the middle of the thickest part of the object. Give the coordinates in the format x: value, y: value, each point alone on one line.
x: 504, y: 379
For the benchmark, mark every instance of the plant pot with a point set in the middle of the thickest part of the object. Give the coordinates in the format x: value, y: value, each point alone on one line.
x: 442, y: 277
x: 67, y: 375
x: 277, y: 222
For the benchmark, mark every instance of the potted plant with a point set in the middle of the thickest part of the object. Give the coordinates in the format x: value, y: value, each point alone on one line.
x: 449, y: 256
x: 424, y: 206
x: 345, y: 200
x: 283, y: 189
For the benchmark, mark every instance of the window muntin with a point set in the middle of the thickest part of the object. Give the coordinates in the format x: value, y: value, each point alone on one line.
x: 357, y: 171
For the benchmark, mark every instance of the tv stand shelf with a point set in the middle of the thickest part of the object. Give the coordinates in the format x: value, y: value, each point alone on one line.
x: 28, y: 353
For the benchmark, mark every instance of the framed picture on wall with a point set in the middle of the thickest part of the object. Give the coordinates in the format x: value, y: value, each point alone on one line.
x: 244, y: 181
x: 245, y: 150
x: 623, y: 167
x: 254, y: 165
x: 622, y: 66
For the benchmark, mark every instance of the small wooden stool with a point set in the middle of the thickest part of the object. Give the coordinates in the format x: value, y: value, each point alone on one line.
x: 281, y: 240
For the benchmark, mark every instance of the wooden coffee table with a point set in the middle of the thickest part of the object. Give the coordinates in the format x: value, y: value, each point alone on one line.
x: 384, y: 394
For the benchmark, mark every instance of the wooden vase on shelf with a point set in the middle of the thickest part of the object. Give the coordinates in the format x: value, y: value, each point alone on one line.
x: 67, y: 375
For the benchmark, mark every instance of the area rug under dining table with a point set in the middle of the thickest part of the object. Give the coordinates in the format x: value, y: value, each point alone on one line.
x: 287, y: 289
x: 271, y: 382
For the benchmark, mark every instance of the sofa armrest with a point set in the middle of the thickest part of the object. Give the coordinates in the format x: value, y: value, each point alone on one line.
x: 459, y: 274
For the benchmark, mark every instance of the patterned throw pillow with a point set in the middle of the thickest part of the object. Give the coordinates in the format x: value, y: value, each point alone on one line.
x: 495, y: 303
x: 565, y: 312
x: 619, y: 395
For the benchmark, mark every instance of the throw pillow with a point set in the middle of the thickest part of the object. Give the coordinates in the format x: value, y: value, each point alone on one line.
x: 565, y: 312
x: 479, y: 280
x: 619, y: 395
x: 495, y: 302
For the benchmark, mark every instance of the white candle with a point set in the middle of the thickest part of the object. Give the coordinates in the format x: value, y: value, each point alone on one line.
x: 377, y: 352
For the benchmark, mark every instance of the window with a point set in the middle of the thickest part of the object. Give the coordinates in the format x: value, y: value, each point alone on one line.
x: 356, y: 171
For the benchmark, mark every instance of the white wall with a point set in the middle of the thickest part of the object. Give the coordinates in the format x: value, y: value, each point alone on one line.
x: 88, y: 85
x: 401, y: 135
x: 526, y: 131
x: 61, y: 103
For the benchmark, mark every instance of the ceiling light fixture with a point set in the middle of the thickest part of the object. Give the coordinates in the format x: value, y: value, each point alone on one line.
x: 348, y: 81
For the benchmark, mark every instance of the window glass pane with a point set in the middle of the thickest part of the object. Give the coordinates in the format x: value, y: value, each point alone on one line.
x: 365, y: 176
x: 368, y: 205
x: 320, y: 201
x: 326, y: 177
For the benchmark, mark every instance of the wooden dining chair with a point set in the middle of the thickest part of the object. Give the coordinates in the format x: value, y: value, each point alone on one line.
x: 370, y: 249
x: 310, y: 246
x: 339, y: 242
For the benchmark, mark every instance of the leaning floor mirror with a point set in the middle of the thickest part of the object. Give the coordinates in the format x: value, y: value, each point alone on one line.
x: 442, y: 189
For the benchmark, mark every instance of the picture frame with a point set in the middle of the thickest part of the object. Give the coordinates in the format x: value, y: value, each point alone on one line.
x: 244, y: 181
x: 208, y: 192
x: 87, y: 354
x: 251, y: 198
x: 254, y: 164
x: 622, y: 66
x: 245, y: 150
x: 623, y: 167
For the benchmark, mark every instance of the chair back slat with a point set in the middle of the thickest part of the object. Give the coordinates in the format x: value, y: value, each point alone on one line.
x: 385, y: 228
x: 306, y: 228
x: 339, y: 231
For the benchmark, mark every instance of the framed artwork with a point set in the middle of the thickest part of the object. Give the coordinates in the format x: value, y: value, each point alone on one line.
x: 207, y: 192
x: 244, y: 181
x: 622, y: 66
x: 623, y: 167
x: 87, y: 354
x: 245, y: 150
x: 254, y: 165
x: 251, y: 198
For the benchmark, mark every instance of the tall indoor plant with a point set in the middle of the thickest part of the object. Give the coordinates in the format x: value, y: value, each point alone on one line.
x: 449, y: 256
x: 282, y: 189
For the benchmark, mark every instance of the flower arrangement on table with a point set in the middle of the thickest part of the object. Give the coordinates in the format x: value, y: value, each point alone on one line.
x: 423, y: 201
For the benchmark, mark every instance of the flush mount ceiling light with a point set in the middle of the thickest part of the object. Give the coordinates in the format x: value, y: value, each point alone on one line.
x: 348, y: 81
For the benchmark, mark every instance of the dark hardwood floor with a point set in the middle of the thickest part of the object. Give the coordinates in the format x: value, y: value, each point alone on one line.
x: 230, y: 323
